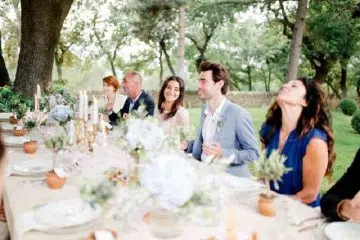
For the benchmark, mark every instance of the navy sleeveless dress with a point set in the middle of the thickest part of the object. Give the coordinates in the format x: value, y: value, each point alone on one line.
x: 294, y: 149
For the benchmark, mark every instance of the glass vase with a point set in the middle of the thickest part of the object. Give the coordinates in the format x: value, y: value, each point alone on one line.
x: 165, y: 224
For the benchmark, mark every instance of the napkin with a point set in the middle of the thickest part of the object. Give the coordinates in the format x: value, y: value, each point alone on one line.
x: 103, y: 235
x: 26, y: 223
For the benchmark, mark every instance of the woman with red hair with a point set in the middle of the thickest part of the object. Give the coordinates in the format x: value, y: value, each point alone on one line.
x: 113, y: 99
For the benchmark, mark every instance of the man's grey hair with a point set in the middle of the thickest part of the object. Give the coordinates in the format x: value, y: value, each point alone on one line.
x: 135, y: 74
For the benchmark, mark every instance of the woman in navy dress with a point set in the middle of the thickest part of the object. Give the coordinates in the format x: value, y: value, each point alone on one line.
x: 298, y: 124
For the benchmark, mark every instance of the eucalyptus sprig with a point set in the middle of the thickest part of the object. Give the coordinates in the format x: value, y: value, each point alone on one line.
x: 98, y: 193
x: 56, y: 142
x: 270, y: 168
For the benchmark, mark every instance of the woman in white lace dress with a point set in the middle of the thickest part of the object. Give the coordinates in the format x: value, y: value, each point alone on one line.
x: 171, y: 112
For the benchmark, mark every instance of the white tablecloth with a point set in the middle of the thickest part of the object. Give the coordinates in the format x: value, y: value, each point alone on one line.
x: 20, y: 199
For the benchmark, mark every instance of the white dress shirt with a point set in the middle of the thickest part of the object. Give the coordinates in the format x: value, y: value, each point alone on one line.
x: 210, y: 125
x: 132, y: 103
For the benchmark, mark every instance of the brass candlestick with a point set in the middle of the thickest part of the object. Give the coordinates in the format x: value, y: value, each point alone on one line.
x: 79, y: 125
x: 91, y: 133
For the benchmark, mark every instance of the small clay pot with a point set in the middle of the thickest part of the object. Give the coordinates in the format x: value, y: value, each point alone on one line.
x: 13, y: 120
x: 18, y: 132
x: 91, y: 235
x: 54, y: 181
x: 30, y: 147
x: 266, y: 205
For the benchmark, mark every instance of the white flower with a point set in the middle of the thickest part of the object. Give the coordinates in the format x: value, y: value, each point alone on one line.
x: 170, y: 178
x: 144, y: 134
x: 60, y: 113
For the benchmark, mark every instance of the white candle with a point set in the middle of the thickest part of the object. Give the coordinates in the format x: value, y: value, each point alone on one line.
x: 35, y: 103
x: 80, y: 104
x: 95, y: 111
x: 85, y: 106
x: 38, y: 91
x: 71, y: 131
x: 102, y: 126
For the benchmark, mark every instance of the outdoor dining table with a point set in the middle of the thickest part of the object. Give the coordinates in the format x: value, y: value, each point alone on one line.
x: 22, y: 195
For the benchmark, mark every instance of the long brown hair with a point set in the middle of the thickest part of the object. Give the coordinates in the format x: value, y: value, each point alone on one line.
x: 315, y: 115
x: 178, y: 102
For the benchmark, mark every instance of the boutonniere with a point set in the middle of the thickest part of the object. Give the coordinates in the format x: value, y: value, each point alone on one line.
x: 218, y: 125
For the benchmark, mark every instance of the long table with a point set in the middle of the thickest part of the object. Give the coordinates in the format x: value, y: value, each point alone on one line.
x: 20, y: 198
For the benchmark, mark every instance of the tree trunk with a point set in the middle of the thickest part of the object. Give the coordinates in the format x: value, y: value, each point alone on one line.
x: 167, y: 57
x: 59, y: 59
x: 344, y: 64
x: 181, y: 60
x: 4, y: 75
x: 297, y: 40
x: 58, y: 68
x: 112, y: 66
x: 42, y: 21
x: 161, y: 69
x: 322, y: 70
x: 249, y: 78
x: 268, y: 81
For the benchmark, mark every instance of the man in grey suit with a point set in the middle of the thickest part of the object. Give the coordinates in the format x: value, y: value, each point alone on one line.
x: 225, y: 128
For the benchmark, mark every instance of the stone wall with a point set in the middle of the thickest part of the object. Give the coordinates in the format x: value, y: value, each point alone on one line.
x: 245, y: 99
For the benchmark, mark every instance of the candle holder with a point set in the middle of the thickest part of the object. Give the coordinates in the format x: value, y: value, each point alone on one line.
x: 79, y: 125
x: 91, y: 133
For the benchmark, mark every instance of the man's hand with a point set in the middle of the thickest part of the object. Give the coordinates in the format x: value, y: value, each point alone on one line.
x: 125, y: 116
x: 213, y: 148
x: 351, y: 208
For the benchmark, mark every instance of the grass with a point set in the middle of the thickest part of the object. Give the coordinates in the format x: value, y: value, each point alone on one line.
x: 347, y: 141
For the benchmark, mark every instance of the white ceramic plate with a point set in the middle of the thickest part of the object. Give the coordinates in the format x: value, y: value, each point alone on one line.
x: 136, y: 218
x: 66, y: 213
x: 32, y: 167
x: 12, y: 141
x: 4, y: 116
x: 343, y: 231
x: 238, y: 184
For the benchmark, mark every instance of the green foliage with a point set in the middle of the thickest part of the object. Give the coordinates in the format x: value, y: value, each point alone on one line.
x: 98, y: 193
x: 270, y: 168
x: 355, y: 121
x: 31, y: 124
x: 11, y: 101
x: 348, y: 106
x: 21, y: 110
x: 57, y: 142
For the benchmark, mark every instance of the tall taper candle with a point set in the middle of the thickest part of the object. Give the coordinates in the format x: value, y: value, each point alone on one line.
x: 95, y: 111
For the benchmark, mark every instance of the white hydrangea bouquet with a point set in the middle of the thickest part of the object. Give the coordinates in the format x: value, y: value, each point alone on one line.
x: 60, y: 114
x: 170, y: 178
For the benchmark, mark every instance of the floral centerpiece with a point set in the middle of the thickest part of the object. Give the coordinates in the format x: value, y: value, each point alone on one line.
x: 268, y: 169
x: 20, y: 111
x: 60, y: 114
x: 55, y: 139
x: 32, y: 120
x: 170, y: 178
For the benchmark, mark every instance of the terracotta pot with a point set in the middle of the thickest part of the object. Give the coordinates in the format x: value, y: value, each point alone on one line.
x: 18, y: 133
x: 13, y: 120
x: 30, y: 147
x: 53, y: 181
x: 92, y: 235
x: 266, y: 205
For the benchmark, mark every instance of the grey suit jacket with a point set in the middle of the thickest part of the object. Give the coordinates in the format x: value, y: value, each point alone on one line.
x: 236, y: 136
